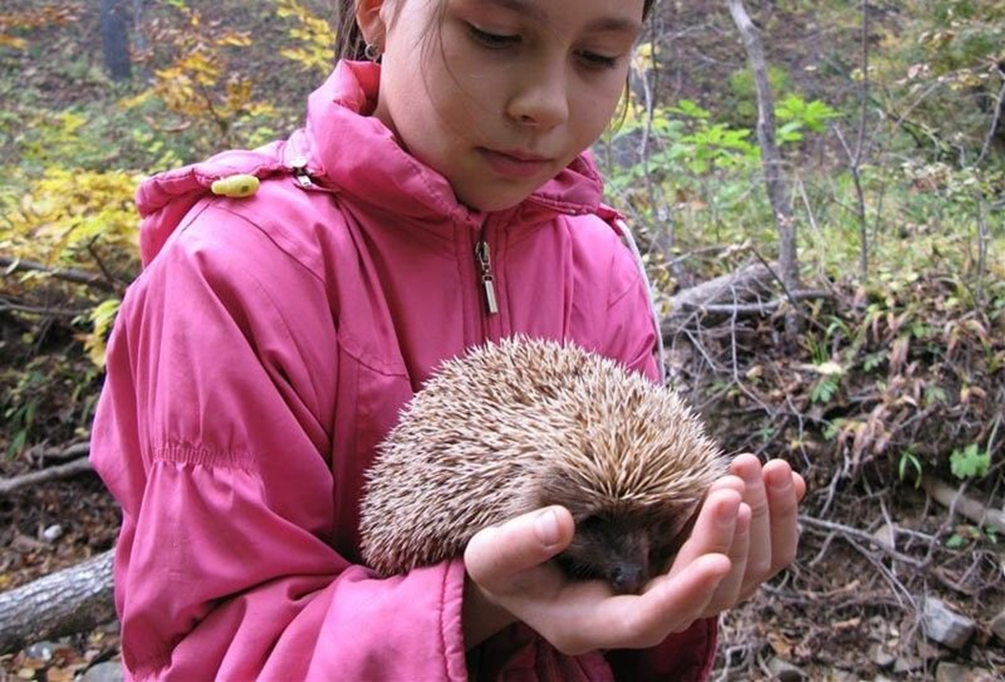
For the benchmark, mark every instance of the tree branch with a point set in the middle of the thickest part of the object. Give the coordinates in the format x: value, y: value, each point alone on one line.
x: 77, y: 466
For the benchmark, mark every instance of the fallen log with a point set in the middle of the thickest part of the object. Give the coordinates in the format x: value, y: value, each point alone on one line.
x: 74, y: 600
x: 953, y: 499
x: 9, y: 485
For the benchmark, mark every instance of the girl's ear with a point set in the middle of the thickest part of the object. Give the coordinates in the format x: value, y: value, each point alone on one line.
x: 371, y: 23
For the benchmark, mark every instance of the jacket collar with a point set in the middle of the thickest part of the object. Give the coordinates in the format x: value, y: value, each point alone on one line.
x: 341, y: 142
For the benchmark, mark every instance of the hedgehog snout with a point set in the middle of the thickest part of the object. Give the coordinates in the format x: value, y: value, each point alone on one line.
x: 627, y: 577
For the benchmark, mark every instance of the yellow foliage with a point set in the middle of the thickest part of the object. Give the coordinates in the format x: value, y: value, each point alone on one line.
x: 199, y: 83
x: 315, y: 34
x: 101, y: 318
x: 32, y: 19
x: 65, y: 210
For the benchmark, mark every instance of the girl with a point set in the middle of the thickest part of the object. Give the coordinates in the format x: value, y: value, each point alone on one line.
x: 295, y: 297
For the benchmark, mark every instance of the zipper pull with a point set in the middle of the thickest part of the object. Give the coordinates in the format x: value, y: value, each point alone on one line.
x: 488, y: 283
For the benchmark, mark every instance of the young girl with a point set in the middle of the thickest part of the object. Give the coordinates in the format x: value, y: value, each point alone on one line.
x: 295, y: 297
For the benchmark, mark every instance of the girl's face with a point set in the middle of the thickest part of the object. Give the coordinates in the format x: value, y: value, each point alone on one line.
x: 500, y: 95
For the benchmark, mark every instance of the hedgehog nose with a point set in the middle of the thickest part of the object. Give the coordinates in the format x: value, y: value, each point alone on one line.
x: 626, y: 577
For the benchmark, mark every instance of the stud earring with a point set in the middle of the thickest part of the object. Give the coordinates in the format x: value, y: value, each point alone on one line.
x: 372, y: 52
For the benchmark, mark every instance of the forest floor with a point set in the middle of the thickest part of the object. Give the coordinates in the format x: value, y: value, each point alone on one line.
x: 874, y: 545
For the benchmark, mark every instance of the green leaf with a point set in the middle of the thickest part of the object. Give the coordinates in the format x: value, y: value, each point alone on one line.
x: 970, y: 462
x: 955, y: 541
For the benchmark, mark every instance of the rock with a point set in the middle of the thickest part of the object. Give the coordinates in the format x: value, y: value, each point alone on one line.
x: 881, y: 657
x: 109, y: 671
x: 998, y: 626
x: 52, y: 533
x: 784, y: 671
x: 906, y: 664
x: 885, y: 535
x: 945, y: 626
x: 954, y: 672
x: 43, y: 651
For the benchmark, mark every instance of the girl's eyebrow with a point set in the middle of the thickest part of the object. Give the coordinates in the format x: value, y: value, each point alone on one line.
x: 532, y: 10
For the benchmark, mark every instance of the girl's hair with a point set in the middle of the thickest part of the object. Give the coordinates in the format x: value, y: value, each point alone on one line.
x: 349, y: 42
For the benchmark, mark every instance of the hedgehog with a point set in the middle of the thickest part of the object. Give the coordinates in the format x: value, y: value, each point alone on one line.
x: 523, y: 424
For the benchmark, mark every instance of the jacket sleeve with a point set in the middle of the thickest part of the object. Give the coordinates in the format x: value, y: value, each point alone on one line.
x: 631, y: 337
x: 213, y: 432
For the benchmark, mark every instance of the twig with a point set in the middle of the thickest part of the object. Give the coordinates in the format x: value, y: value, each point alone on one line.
x: 76, y: 276
x: 994, y: 121
x: 77, y: 466
x: 7, y: 304
x: 758, y: 308
x: 63, y: 454
x: 855, y: 533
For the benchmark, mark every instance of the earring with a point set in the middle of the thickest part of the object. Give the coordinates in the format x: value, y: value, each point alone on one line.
x: 372, y: 52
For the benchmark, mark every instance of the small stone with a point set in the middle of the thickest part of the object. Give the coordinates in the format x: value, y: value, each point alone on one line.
x: 954, y: 672
x: 998, y: 626
x: 42, y: 651
x: 906, y: 664
x: 783, y: 671
x: 52, y: 533
x: 885, y: 535
x: 945, y: 626
x: 109, y: 671
x: 881, y: 657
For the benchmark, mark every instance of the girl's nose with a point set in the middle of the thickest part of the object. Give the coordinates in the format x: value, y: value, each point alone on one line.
x: 540, y: 99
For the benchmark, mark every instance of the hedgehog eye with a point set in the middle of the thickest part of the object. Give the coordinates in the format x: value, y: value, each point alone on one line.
x: 590, y: 523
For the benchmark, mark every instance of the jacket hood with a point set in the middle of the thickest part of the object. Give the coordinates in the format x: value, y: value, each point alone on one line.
x: 337, y: 149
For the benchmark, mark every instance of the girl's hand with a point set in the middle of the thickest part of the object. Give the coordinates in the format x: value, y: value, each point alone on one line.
x: 743, y: 534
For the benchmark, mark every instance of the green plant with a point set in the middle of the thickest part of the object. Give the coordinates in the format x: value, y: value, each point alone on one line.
x: 970, y: 462
x: 909, y: 462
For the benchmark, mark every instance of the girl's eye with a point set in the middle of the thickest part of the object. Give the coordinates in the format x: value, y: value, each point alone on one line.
x: 598, y: 61
x: 493, y: 41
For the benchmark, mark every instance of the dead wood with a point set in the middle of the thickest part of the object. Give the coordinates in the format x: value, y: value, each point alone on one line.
x: 74, y: 600
x: 9, y: 485
x: 76, y: 276
x: 771, y: 158
x: 954, y: 499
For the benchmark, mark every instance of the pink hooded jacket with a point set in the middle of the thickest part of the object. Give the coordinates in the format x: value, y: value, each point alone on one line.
x: 264, y: 352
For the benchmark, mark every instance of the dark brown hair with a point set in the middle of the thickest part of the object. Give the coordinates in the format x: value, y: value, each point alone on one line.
x: 349, y: 42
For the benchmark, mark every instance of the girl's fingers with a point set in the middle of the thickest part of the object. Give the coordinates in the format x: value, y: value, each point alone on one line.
x: 729, y: 590
x: 670, y: 603
x: 713, y: 529
x: 497, y: 556
x: 748, y: 468
x: 783, y: 500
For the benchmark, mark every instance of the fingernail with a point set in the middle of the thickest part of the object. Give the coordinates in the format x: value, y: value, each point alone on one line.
x: 546, y: 526
x: 779, y: 479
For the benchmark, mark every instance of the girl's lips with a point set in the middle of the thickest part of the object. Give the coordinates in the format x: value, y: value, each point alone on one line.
x: 514, y: 164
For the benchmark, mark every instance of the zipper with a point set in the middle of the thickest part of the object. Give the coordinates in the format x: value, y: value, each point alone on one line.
x: 483, y: 257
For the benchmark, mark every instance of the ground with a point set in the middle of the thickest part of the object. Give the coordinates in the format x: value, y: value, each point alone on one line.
x: 848, y: 608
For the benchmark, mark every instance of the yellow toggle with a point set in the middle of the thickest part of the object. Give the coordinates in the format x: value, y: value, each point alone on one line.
x: 235, y: 186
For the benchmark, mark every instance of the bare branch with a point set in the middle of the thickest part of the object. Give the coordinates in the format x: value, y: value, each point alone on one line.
x: 77, y: 466
x: 91, y: 279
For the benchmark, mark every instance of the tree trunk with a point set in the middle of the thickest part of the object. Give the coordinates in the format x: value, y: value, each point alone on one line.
x: 68, y: 602
x: 771, y: 158
x: 115, y: 37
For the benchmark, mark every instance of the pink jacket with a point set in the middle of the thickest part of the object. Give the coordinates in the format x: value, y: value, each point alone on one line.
x: 264, y: 352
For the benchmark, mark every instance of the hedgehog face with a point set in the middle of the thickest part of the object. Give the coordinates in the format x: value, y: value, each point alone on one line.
x: 626, y: 550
